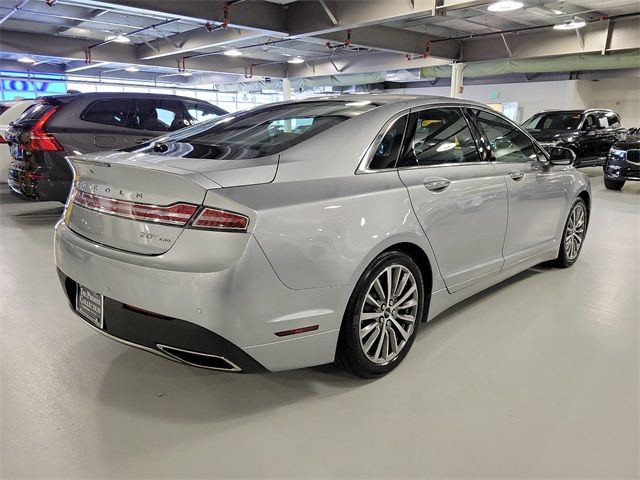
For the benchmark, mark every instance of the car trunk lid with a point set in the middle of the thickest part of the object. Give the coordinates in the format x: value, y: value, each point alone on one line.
x: 141, y: 203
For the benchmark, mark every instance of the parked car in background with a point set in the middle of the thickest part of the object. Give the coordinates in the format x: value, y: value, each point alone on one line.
x: 589, y: 133
x: 623, y: 162
x: 59, y: 126
x: 302, y: 232
x: 9, y: 111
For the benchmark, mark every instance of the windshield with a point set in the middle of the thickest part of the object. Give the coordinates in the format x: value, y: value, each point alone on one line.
x: 256, y: 133
x: 554, y: 121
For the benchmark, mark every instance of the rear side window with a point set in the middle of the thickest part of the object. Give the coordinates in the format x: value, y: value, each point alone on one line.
x: 439, y: 136
x: 107, y: 112
x: 388, y: 149
x: 159, y: 115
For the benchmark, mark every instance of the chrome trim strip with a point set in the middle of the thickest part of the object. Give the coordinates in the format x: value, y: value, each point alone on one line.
x: 234, y: 367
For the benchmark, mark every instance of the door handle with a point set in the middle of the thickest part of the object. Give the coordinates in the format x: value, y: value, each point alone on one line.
x: 517, y: 175
x: 141, y: 140
x: 436, y: 184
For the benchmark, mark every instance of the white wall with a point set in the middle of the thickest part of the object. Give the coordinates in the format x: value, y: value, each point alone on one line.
x: 619, y: 94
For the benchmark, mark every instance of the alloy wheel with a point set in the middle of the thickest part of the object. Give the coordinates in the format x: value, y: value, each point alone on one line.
x: 574, y: 234
x: 388, y: 314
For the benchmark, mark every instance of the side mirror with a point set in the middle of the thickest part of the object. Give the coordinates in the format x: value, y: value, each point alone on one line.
x: 561, y: 156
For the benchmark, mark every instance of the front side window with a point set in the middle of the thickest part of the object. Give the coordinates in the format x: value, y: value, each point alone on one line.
x: 613, y: 119
x: 508, y: 143
x: 158, y: 115
x: 438, y: 136
x: 386, y: 152
x: 107, y: 112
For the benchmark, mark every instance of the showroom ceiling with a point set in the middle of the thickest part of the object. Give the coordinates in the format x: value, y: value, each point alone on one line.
x: 167, y: 37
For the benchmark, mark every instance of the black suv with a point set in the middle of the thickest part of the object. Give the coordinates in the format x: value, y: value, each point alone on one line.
x: 55, y: 127
x: 623, y: 162
x: 589, y: 133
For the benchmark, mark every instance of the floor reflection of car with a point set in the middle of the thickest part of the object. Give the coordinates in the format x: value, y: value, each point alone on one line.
x: 9, y: 111
x: 254, y: 244
x: 58, y: 126
x: 623, y: 162
x: 589, y: 133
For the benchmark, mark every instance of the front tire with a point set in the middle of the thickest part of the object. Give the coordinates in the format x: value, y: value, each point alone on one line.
x: 382, y: 317
x: 573, y: 235
x: 613, y: 184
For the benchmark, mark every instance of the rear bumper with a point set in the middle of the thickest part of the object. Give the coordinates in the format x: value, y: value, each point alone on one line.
x: 230, y: 308
x: 23, y: 185
x: 167, y: 336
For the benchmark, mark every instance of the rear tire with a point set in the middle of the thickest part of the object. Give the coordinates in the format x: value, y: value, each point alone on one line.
x: 613, y: 184
x: 382, y: 317
x: 573, y: 235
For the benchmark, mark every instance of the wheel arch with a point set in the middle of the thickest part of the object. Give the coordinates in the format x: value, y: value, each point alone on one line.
x: 584, y: 195
x: 424, y: 264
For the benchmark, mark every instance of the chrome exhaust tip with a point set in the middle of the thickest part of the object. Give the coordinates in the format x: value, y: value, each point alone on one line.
x: 199, y: 359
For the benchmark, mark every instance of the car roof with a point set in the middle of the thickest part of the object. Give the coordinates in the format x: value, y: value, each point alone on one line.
x: 388, y: 100
x: 66, y: 98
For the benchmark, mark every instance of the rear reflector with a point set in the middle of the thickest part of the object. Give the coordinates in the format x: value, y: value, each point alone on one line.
x: 295, y: 331
x: 214, y: 219
x: 177, y: 214
x: 2, y: 140
x: 41, y: 140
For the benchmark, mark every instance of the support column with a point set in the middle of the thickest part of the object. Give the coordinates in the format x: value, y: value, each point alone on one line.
x: 286, y: 89
x: 456, y: 79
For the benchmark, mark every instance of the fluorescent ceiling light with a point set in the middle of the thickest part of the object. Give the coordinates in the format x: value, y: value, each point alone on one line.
x: 26, y: 60
x: 574, y: 23
x: 504, y: 6
x: 132, y: 68
x: 233, y: 53
x: 296, y: 60
x: 120, y: 38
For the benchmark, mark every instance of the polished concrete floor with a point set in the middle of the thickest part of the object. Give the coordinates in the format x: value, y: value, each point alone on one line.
x: 536, y: 378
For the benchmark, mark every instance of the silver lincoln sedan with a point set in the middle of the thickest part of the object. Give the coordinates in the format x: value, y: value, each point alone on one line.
x: 307, y: 232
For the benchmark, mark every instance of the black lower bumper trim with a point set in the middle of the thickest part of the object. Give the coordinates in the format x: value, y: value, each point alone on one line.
x: 150, y: 331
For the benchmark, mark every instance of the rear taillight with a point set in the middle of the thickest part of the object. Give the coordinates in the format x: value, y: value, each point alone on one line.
x: 214, y: 219
x: 2, y: 139
x: 177, y: 214
x: 41, y: 140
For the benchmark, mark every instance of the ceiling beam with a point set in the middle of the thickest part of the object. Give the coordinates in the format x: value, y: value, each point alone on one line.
x: 310, y: 18
x: 192, y: 41
x: 248, y: 15
x: 396, y: 40
x: 624, y: 35
x: 359, y: 63
x: 71, y: 48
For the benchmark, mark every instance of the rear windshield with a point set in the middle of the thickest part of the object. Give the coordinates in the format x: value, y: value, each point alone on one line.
x: 554, y: 121
x: 260, y: 132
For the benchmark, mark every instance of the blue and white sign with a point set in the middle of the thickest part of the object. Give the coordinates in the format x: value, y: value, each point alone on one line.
x: 20, y: 86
